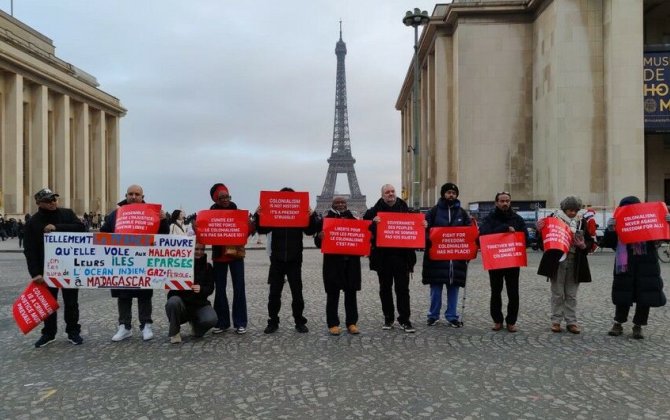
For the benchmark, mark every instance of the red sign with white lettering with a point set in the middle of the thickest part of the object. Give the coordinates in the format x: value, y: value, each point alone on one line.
x: 503, y: 250
x: 453, y: 243
x: 222, y: 227
x: 642, y: 222
x: 33, y: 306
x: 400, y: 230
x: 346, y: 236
x: 138, y: 218
x: 556, y: 235
x: 284, y: 209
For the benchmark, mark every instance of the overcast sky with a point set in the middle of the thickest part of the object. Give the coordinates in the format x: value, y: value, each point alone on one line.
x: 238, y: 92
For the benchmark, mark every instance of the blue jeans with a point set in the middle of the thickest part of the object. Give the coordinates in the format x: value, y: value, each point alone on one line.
x: 239, y: 295
x: 451, y: 314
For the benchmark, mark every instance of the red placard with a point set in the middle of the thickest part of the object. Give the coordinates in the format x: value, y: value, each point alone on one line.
x: 453, y: 243
x: 503, y: 250
x: 138, y: 218
x: 642, y: 222
x: 346, y: 236
x: 33, y: 306
x: 284, y: 209
x: 222, y: 227
x: 556, y: 235
x: 401, y: 230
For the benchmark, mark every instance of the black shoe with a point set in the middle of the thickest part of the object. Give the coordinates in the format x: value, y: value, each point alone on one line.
x: 637, y: 332
x: 407, y: 326
x: 388, y: 325
x: 455, y: 323
x: 301, y: 328
x: 616, y: 330
x: 44, y: 340
x: 75, y: 339
x: 431, y: 322
x: 271, y: 328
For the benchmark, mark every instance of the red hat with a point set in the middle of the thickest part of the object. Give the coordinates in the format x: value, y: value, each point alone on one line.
x: 216, y: 190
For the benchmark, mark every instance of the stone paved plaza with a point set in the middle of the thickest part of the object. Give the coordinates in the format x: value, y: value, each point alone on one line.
x: 436, y: 373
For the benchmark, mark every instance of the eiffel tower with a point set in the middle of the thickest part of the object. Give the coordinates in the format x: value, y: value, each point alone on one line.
x: 341, y: 161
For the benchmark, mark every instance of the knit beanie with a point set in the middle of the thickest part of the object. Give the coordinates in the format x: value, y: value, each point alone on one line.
x: 216, y: 190
x: 448, y: 186
x: 571, y: 203
x: 631, y: 199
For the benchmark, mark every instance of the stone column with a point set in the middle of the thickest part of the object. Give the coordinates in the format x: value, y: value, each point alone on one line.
x: 39, y: 158
x: 98, y: 161
x: 113, y: 158
x: 443, y: 73
x: 62, y: 149
x: 81, y: 143
x: 12, y: 170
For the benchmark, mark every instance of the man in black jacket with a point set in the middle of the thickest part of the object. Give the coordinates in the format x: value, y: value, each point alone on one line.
x: 503, y: 219
x: 49, y: 218
x: 391, y: 264
x: 286, y: 261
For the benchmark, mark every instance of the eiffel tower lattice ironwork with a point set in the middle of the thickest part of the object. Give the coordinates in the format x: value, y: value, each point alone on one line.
x: 341, y: 161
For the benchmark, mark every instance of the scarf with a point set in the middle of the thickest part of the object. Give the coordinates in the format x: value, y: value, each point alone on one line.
x: 621, y: 257
x: 573, y: 223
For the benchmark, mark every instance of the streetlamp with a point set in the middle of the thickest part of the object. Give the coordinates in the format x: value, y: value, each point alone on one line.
x: 415, y: 19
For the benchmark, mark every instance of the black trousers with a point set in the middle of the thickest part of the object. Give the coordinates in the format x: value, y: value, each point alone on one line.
x: 70, y: 312
x: 178, y: 313
x: 143, y: 311
x: 350, y: 308
x: 394, y: 273
x: 292, y: 271
x: 640, y: 318
x: 510, y: 278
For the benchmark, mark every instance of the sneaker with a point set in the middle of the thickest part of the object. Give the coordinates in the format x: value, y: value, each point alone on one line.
x: 387, y: 326
x: 335, y: 330
x: 44, y: 340
x: 455, y: 323
x: 301, y: 328
x: 175, y: 339
x: 240, y: 330
x: 147, y: 332
x: 271, y: 328
x: 637, y: 332
x: 407, y: 326
x: 217, y: 330
x: 122, y: 333
x: 616, y: 330
x: 353, y: 329
x: 431, y: 322
x: 75, y: 339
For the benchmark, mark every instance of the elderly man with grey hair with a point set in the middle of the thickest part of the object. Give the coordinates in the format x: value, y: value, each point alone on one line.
x: 566, y: 272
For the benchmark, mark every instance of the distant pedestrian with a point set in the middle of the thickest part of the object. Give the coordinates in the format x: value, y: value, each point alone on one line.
x: 177, y: 226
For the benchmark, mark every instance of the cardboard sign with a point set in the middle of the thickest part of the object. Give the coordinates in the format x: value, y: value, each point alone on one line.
x: 642, y: 222
x: 33, y: 306
x: 346, y: 236
x: 453, y: 243
x: 556, y: 235
x: 503, y: 250
x: 222, y: 227
x: 118, y: 261
x: 284, y: 209
x: 401, y: 230
x: 138, y: 218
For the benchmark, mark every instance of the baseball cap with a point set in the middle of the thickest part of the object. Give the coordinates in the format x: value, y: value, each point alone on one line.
x: 45, y: 194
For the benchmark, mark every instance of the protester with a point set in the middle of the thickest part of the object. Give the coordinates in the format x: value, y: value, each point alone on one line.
x: 177, y: 226
x: 50, y: 218
x: 341, y: 272
x: 637, y: 278
x: 393, y: 265
x: 286, y: 262
x: 566, y: 272
x: 192, y: 305
x: 504, y: 219
x: 451, y: 274
x: 134, y: 195
x: 228, y: 258
x: 21, y: 230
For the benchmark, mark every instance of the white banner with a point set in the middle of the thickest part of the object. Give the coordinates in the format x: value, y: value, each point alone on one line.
x: 118, y: 261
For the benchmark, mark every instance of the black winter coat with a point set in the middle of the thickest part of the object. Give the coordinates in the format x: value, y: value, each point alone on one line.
x: 642, y: 282
x: 109, y: 226
x: 341, y: 272
x: 442, y: 271
x: 286, y: 243
x: 33, y: 246
x: 499, y: 222
x: 551, y: 259
x: 203, y: 274
x: 380, y: 257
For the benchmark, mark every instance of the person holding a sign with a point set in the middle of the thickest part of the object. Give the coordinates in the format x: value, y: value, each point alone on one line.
x: 134, y: 195
x: 504, y: 219
x: 50, y: 218
x: 192, y: 305
x: 449, y: 273
x: 566, y: 242
x: 286, y: 262
x: 229, y: 258
x: 637, y: 273
x: 340, y: 272
x: 392, y: 265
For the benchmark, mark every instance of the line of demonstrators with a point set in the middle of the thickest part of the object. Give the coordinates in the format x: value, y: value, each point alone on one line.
x: 636, y: 278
